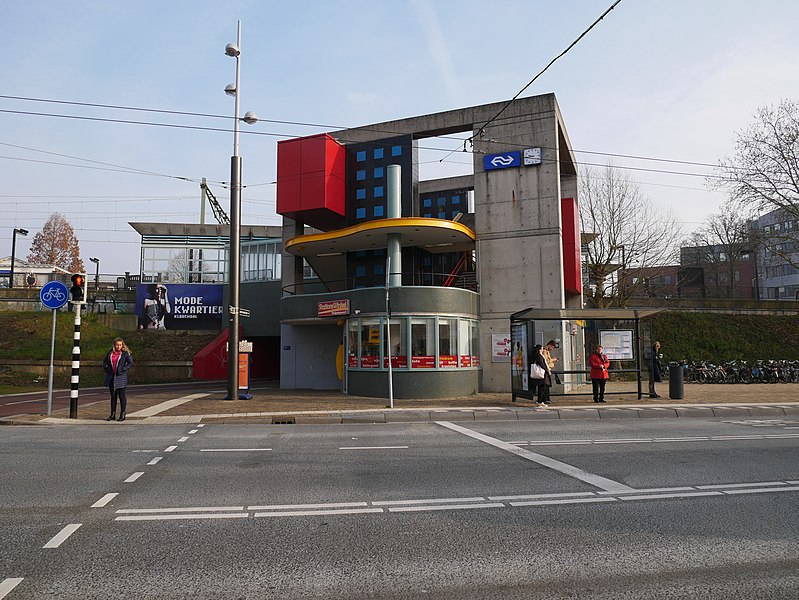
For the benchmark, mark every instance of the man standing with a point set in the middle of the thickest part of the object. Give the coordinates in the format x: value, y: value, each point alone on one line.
x: 545, y: 352
x: 654, y: 369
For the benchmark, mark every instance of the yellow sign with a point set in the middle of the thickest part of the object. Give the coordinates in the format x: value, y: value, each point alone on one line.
x: 374, y: 335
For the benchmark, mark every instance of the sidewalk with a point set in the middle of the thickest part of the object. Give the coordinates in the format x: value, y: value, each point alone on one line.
x: 271, y: 405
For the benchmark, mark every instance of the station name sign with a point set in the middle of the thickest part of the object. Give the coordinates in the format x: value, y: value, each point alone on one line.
x: 333, y: 308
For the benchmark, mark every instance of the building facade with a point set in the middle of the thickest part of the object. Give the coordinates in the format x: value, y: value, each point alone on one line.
x: 416, y: 280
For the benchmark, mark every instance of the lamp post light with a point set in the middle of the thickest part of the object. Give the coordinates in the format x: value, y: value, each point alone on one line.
x: 14, y: 252
x: 96, y: 262
x: 234, y: 270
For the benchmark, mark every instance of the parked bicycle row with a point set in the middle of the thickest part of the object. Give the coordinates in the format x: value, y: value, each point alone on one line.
x: 740, y: 371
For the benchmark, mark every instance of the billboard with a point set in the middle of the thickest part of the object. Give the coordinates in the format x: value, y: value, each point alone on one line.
x: 179, y: 306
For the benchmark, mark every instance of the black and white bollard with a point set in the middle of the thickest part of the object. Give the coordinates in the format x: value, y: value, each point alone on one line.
x: 74, y: 381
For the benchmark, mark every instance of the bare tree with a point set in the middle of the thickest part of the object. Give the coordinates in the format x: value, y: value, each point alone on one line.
x: 56, y: 245
x: 719, y: 246
x: 763, y: 174
x: 628, y: 228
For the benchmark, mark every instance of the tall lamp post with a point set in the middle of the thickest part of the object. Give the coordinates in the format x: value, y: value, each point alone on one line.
x: 234, y: 270
x: 14, y: 252
x: 96, y: 262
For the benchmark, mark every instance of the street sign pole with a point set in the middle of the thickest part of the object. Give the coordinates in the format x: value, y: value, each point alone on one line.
x: 50, y: 375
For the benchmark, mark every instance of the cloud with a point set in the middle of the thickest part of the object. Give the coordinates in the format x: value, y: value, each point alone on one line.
x: 439, y: 50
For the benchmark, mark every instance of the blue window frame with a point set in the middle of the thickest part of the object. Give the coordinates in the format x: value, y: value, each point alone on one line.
x: 360, y: 213
x: 379, y: 269
x: 455, y: 213
x: 360, y: 156
x: 456, y: 199
x: 442, y: 215
x: 428, y: 215
x: 360, y: 253
x: 396, y: 150
x: 360, y: 194
x: 379, y: 191
x: 378, y: 172
x: 378, y: 153
x: 360, y: 270
x: 360, y: 175
x: 378, y: 210
x: 442, y: 201
x: 427, y: 202
x: 379, y: 252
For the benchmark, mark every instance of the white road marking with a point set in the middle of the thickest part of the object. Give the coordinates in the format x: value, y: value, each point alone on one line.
x: 308, y: 513
x: 675, y: 495
x: 563, y: 501
x: 303, y: 506
x: 556, y: 465
x: 62, y: 535
x: 177, y: 510
x: 544, y: 496
x: 9, y: 584
x: 717, y: 438
x: 445, y: 507
x: 189, y: 516
x: 183, y: 439
x: 105, y: 500
x: 653, y: 490
x: 155, y: 460
x: 373, y: 447
x: 738, y: 485
x: 193, y: 431
x: 134, y: 477
x: 762, y: 490
x: 164, y: 406
x: 201, y: 425
x: 435, y: 501
x: 235, y: 449
x: 170, y: 448
x: 21, y: 402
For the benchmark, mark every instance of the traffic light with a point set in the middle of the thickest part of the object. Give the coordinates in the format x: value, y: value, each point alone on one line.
x: 78, y: 290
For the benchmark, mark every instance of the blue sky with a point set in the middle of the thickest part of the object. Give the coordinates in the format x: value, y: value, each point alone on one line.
x: 670, y: 80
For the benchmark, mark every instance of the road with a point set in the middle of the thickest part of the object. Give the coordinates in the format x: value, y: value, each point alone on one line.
x: 652, y: 508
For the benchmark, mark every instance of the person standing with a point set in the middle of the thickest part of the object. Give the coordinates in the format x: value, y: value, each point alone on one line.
x: 116, y: 364
x: 544, y: 383
x: 551, y: 360
x: 655, y: 375
x: 599, y: 373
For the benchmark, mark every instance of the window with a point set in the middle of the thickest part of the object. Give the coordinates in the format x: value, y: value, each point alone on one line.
x: 422, y: 344
x: 442, y: 201
x: 456, y: 199
x: 427, y: 202
x: 396, y: 150
x: 442, y: 215
x: 398, y: 337
x: 370, y: 343
x: 353, y: 329
x: 378, y: 210
x: 360, y: 213
x: 378, y: 153
x: 379, y: 191
x: 379, y: 269
x: 378, y: 172
x: 360, y: 194
x: 360, y: 156
x: 447, y: 343
x: 360, y: 175
x: 360, y: 270
x: 428, y: 215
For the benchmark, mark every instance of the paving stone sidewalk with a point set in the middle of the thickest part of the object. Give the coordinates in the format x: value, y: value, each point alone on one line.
x: 271, y: 405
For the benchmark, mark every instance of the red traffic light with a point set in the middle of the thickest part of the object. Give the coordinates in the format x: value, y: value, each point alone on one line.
x: 77, y: 279
x: 77, y: 291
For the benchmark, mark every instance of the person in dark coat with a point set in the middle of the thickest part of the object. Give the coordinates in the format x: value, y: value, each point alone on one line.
x: 654, y: 369
x: 599, y: 373
x: 116, y: 365
x: 545, y: 383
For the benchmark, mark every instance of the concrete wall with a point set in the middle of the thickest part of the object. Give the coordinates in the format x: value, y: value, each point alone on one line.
x: 415, y: 384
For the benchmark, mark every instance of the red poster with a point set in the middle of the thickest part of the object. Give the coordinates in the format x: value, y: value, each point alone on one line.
x: 447, y: 360
x: 466, y: 360
x: 352, y: 360
x: 475, y: 361
x: 423, y: 362
x: 397, y: 362
x: 370, y: 362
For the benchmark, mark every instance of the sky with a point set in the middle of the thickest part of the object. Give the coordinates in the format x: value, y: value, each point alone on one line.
x: 667, y: 80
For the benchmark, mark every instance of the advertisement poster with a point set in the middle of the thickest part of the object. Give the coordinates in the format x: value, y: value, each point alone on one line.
x: 179, y: 306
x: 500, y: 347
x: 518, y: 367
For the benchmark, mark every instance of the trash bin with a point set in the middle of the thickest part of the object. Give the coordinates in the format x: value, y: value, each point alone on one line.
x: 675, y: 381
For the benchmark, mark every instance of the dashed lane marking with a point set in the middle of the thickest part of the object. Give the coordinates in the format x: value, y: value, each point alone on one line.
x: 9, y: 584
x: 155, y: 461
x: 105, y: 500
x: 134, y: 477
x: 62, y: 535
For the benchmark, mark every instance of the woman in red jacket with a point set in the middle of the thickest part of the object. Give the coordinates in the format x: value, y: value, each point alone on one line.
x: 599, y: 373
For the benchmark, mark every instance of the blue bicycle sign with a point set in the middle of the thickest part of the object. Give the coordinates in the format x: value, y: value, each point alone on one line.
x: 53, y: 295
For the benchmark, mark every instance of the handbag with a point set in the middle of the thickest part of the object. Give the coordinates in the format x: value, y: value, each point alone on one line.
x: 536, y: 372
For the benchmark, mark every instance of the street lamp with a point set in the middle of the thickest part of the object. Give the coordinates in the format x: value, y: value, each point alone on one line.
x: 234, y: 270
x: 14, y: 252
x: 96, y: 262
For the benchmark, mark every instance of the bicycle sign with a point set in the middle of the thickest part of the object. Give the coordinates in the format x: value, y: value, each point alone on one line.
x: 53, y: 295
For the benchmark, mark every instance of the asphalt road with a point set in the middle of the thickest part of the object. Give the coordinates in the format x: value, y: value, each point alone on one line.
x: 654, y: 508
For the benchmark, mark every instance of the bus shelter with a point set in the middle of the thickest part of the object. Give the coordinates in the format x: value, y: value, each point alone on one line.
x: 576, y: 333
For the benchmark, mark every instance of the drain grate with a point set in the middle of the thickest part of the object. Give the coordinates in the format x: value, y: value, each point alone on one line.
x: 283, y: 421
